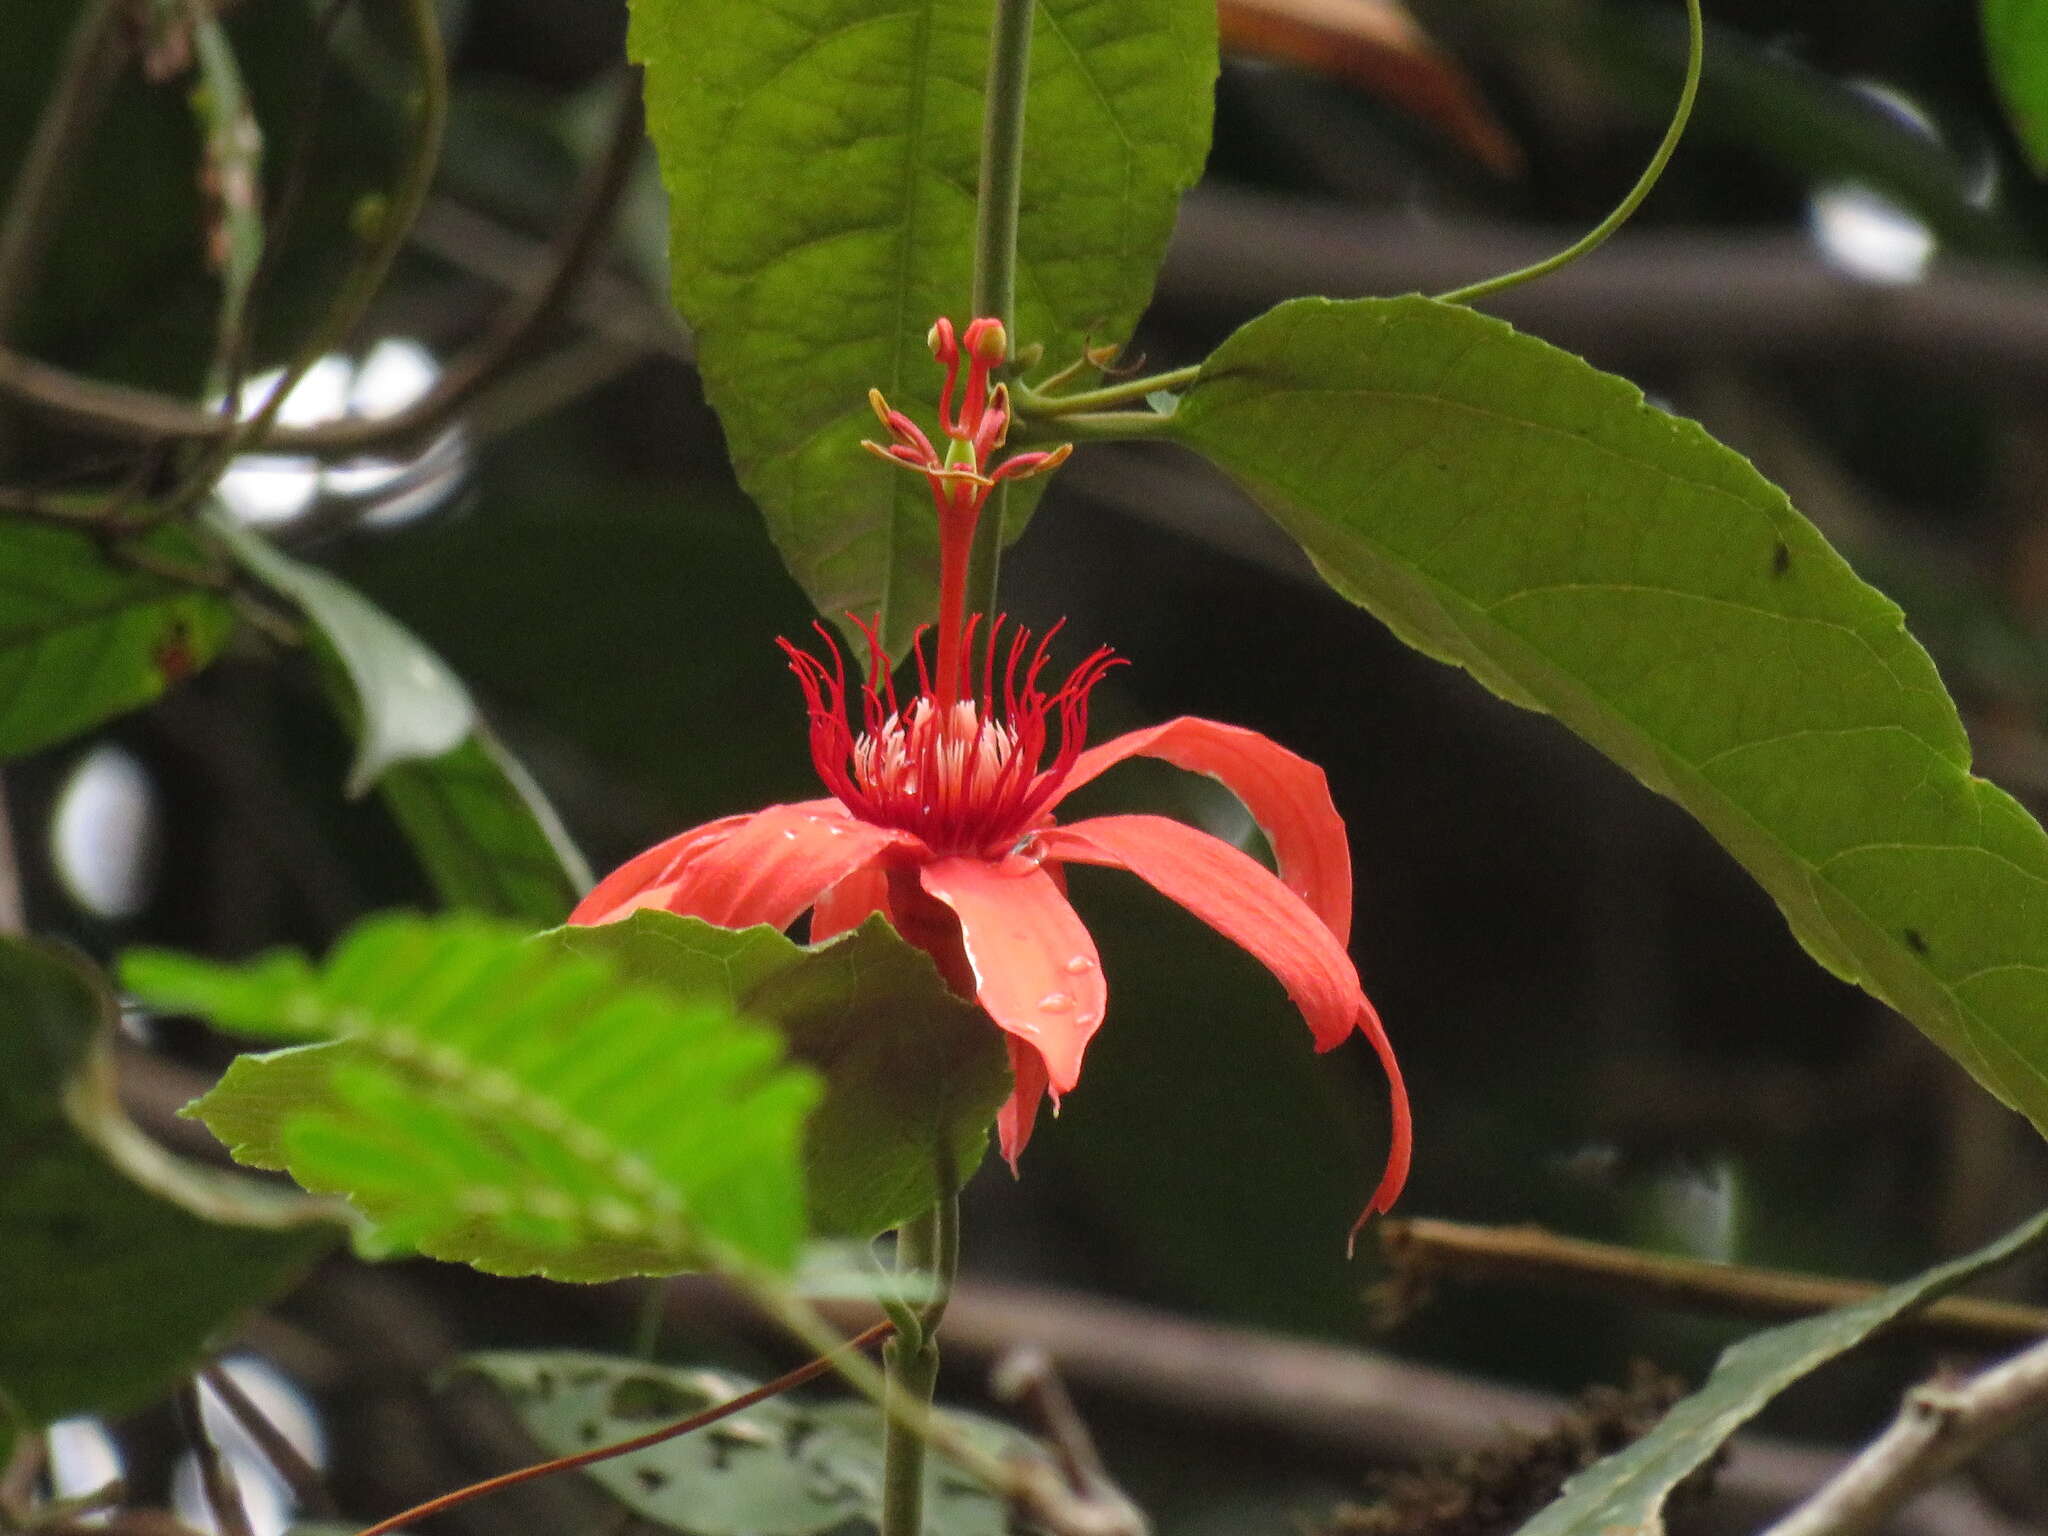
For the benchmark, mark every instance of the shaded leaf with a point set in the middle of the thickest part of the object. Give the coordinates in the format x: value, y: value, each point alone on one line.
x: 485, y: 1099
x: 86, y: 635
x: 488, y: 838
x: 119, y: 1265
x: 1507, y: 508
x: 1627, y: 1490
x: 2016, y: 41
x: 780, y: 1468
x: 909, y: 1070
x: 412, y: 706
x: 821, y: 163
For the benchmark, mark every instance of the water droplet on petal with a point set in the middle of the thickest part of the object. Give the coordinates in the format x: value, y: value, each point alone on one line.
x: 1087, y: 1020
x: 1080, y: 965
x: 1055, y: 1002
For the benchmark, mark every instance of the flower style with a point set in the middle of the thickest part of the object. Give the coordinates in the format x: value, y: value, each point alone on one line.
x: 941, y: 811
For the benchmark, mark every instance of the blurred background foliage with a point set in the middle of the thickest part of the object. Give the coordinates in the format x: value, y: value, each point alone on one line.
x: 1607, y: 1029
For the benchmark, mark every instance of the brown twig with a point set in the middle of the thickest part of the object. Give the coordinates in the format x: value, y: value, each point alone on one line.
x: 783, y: 1383
x: 1941, y: 1426
x: 1026, y: 1377
x: 303, y: 1478
x: 141, y: 415
x: 1421, y: 1250
x: 13, y: 918
x: 393, y: 221
x: 607, y: 303
x: 1652, y: 295
x: 216, y: 1478
x: 1351, y: 1405
x: 18, y: 1477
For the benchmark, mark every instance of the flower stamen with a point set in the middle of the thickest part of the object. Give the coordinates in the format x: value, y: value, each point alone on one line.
x: 969, y: 776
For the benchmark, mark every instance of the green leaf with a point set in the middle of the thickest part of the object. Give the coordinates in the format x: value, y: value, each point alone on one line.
x: 910, y: 1071
x: 2016, y: 41
x: 1507, y: 508
x: 86, y: 634
x: 777, y: 1469
x: 496, y: 1102
x: 821, y: 163
x: 1627, y: 1490
x: 412, y: 706
x: 488, y: 838
x: 119, y: 1265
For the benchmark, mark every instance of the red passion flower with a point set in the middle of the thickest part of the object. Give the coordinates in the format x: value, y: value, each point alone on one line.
x: 942, y: 802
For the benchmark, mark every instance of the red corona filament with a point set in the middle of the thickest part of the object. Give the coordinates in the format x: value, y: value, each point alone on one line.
x: 970, y: 776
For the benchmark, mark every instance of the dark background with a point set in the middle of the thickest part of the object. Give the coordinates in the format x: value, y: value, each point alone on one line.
x: 1607, y: 1030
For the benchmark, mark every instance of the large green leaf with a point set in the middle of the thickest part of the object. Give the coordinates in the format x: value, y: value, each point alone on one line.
x: 821, y: 159
x: 411, y: 705
x: 1507, y: 508
x: 118, y: 1264
x: 780, y: 1468
x: 488, y: 838
x: 2016, y: 40
x: 912, y: 1074
x: 1626, y: 1492
x: 87, y: 633
x: 499, y: 1103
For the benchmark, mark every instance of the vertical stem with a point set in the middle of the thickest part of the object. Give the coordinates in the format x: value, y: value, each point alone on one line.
x: 910, y: 1367
x: 995, y: 242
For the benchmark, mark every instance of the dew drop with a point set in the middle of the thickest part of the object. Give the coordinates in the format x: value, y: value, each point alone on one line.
x: 1087, y: 1020
x: 1080, y: 965
x: 1055, y: 1002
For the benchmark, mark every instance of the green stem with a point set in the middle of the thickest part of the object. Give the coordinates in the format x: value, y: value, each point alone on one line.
x: 945, y: 1257
x: 910, y: 1366
x: 1032, y: 406
x: 995, y: 244
x: 1113, y: 426
x: 1006, y: 1479
x: 1597, y: 236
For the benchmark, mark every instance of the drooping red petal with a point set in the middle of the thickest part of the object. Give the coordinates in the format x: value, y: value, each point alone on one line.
x: 1035, y: 966
x: 849, y: 903
x: 768, y: 869
x: 1020, y: 1111
x: 1287, y: 795
x: 1238, y: 897
x: 645, y: 879
x: 1401, y: 1145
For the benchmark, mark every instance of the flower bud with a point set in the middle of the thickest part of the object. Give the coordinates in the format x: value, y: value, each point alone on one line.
x: 988, y: 341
